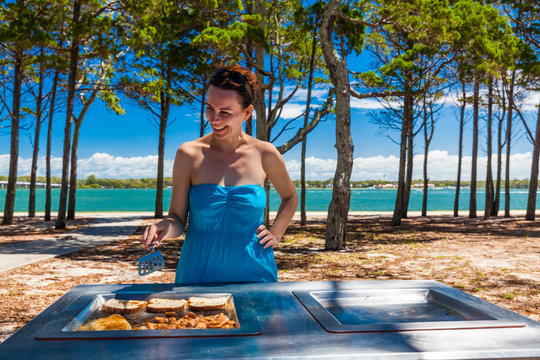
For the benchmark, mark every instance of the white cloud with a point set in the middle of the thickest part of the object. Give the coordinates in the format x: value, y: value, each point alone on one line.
x: 317, y: 92
x: 441, y: 166
x: 292, y: 110
x: 530, y: 103
x: 101, y: 165
x: 370, y: 104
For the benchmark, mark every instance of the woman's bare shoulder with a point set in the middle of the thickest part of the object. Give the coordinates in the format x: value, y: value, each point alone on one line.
x: 192, y: 149
x: 265, y: 148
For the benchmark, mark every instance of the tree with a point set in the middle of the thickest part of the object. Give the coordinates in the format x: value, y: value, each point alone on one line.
x: 75, y: 34
x: 48, y: 197
x: 99, y: 86
x: 428, y: 124
x: 490, y: 195
x: 307, y: 21
x: 524, y: 18
x: 474, y: 157
x: 533, y: 183
x: 20, y: 31
x: 336, y: 62
x: 483, y: 48
x: 413, y: 48
x: 460, y: 145
x: 38, y: 115
x: 162, y: 56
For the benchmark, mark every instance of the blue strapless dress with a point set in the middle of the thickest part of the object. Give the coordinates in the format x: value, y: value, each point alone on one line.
x: 221, y: 244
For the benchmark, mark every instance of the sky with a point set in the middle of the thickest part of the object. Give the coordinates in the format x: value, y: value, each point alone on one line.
x: 126, y: 146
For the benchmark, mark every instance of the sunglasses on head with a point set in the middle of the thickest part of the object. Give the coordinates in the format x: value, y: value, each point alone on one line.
x: 234, y: 76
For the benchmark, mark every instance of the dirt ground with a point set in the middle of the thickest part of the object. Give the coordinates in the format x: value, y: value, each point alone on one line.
x: 497, y: 260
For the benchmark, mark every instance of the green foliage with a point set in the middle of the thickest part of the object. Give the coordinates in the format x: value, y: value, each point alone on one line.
x: 352, y: 32
x: 486, y: 40
x: 150, y: 183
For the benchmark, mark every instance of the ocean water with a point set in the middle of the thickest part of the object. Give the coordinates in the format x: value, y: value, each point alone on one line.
x: 316, y: 199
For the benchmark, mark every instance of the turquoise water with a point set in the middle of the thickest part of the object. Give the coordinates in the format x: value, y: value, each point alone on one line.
x: 316, y: 199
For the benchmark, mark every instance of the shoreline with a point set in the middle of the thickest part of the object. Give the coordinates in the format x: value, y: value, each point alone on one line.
x: 309, y: 214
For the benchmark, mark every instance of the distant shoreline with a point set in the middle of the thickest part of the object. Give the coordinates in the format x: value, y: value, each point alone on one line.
x: 310, y: 214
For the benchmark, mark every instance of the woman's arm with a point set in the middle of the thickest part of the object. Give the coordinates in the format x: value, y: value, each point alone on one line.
x: 174, y: 223
x: 275, y: 169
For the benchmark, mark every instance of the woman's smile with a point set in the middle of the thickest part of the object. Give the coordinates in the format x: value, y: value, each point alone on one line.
x: 224, y: 112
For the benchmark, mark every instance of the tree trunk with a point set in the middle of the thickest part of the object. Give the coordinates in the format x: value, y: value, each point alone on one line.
x: 341, y: 193
x: 426, y: 184
x: 500, y: 146
x: 258, y: 103
x: 497, y: 191
x: 250, y: 49
x: 533, y: 182
x: 508, y: 143
x: 303, y: 218
x: 408, y: 178
x: 460, y: 149
x: 9, y: 205
x: 48, y: 161
x: 489, y: 176
x: 75, y: 146
x: 164, y: 116
x: 35, y: 152
x: 72, y: 78
x: 73, y: 170
x: 472, y: 202
x: 403, y: 156
x: 427, y: 141
x: 203, y: 103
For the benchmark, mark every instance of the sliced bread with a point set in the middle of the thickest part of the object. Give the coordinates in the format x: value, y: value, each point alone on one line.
x: 123, y: 306
x: 207, y: 303
x: 113, y: 322
x: 157, y: 305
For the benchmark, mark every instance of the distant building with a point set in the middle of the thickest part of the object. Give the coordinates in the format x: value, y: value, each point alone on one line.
x: 26, y: 184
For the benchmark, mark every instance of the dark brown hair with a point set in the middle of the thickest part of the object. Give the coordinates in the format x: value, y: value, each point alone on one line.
x: 239, y: 79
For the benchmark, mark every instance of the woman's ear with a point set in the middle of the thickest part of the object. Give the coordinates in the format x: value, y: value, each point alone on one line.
x: 247, y: 112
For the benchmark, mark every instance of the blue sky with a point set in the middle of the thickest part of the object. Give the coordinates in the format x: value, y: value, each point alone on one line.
x: 125, y: 146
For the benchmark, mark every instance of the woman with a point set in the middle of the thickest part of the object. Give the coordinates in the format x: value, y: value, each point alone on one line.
x: 219, y: 180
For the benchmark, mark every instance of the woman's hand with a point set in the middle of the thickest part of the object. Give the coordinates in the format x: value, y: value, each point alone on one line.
x: 266, y: 237
x: 155, y: 233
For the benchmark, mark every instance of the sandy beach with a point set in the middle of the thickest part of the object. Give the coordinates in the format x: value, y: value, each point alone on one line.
x: 497, y: 260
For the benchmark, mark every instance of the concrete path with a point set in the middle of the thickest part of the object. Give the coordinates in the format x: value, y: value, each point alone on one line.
x: 102, y: 230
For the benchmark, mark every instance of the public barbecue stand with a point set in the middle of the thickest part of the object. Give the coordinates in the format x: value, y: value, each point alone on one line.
x: 360, y: 319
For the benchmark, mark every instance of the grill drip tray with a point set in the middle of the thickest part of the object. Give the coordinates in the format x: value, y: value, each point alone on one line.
x: 397, y: 309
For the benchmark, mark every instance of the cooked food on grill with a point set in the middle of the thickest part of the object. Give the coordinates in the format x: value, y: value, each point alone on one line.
x: 123, y: 306
x: 157, y: 305
x: 113, y: 322
x: 207, y: 303
x: 188, y: 321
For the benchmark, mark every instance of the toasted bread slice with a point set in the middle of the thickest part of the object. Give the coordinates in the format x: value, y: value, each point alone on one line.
x: 207, y: 303
x: 158, y: 305
x: 113, y: 322
x: 123, y: 306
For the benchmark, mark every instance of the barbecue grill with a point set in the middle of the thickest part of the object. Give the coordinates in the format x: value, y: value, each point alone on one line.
x: 361, y: 319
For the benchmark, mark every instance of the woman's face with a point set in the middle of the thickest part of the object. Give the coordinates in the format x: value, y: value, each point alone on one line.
x: 225, y: 113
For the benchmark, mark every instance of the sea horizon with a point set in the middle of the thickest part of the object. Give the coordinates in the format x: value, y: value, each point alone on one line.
x: 317, y: 200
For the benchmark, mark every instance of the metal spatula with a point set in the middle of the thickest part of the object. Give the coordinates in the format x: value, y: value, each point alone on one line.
x: 151, y: 262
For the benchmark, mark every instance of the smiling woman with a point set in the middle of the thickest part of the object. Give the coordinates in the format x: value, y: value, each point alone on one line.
x: 218, y: 180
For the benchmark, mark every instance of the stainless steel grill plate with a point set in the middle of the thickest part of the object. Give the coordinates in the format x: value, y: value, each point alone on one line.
x: 397, y: 309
